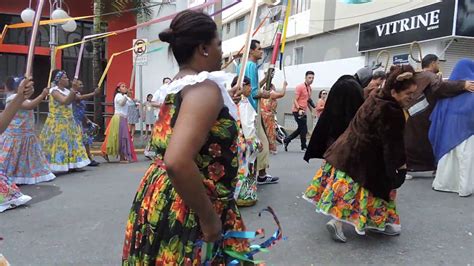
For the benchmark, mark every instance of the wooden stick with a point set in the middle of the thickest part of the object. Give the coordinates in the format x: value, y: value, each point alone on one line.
x: 34, y: 33
x: 248, y: 40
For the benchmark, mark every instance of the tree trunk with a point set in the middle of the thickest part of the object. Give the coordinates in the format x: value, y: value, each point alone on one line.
x: 97, y: 66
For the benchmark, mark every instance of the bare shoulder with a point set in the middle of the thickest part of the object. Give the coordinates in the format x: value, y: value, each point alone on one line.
x: 207, y: 91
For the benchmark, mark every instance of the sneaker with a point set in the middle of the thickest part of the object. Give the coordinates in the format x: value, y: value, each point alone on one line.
x: 14, y: 203
x: 408, y: 177
x: 94, y: 163
x: 335, y: 229
x: 390, y: 230
x: 303, y: 150
x: 268, y: 179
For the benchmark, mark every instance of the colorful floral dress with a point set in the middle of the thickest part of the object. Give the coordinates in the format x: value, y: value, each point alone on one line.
x: 246, y: 188
x: 21, y: 156
x: 88, y: 130
x: 335, y: 194
x: 161, y: 229
x: 61, y: 137
x: 268, y: 107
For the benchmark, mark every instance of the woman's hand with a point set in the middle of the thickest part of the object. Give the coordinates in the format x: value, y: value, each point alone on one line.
x: 211, y: 227
x: 45, y: 92
x: 26, y: 88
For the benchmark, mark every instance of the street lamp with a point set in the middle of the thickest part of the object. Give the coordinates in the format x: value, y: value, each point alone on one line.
x: 56, y: 12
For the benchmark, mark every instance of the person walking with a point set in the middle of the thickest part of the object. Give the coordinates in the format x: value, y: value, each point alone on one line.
x: 300, y: 108
x: 251, y: 71
x: 357, y: 182
x: 186, y: 195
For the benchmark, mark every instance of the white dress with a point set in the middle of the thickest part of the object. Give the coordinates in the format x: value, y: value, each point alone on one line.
x: 456, y: 170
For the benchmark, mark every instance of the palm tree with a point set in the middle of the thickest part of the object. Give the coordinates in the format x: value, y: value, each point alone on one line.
x: 142, y: 11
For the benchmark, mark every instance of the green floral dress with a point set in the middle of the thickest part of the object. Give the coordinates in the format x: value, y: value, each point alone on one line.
x: 161, y: 229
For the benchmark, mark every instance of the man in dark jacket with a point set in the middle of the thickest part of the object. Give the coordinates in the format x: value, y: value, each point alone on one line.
x: 430, y: 88
x: 344, y: 99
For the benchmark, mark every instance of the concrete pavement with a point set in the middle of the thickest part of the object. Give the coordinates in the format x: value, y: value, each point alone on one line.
x: 79, y: 219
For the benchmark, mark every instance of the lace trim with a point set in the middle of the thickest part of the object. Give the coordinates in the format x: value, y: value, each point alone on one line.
x: 219, y: 77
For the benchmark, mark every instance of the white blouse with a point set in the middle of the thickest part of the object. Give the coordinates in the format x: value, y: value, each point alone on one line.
x: 120, y: 104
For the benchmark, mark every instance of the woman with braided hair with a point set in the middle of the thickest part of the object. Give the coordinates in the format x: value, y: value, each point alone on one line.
x: 366, y: 164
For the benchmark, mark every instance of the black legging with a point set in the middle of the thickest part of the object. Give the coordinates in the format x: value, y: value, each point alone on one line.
x: 302, y: 130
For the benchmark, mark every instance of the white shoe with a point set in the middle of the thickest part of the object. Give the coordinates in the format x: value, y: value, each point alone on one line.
x: 390, y: 230
x: 14, y: 203
x: 335, y: 229
x: 408, y: 177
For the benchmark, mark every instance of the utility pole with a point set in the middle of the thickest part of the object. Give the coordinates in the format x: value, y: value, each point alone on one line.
x: 97, y: 64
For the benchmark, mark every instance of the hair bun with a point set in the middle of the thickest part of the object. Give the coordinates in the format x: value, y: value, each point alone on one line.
x: 167, y: 36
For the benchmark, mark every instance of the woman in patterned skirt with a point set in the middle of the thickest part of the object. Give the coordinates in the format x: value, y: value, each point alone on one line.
x: 269, y: 109
x: 61, y: 137
x: 21, y: 156
x: 356, y: 185
x: 187, y: 193
x: 10, y: 195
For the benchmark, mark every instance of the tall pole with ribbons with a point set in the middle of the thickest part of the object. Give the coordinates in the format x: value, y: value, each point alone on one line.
x: 248, y: 40
x: 276, y: 47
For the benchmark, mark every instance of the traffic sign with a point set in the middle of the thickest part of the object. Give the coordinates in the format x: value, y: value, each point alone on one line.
x: 140, y: 57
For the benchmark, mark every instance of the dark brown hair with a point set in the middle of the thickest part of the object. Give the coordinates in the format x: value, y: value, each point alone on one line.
x: 188, y: 30
x: 400, y: 78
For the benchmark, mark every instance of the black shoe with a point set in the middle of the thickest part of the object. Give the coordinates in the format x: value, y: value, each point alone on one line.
x: 267, y: 179
x: 285, y: 144
x: 94, y: 163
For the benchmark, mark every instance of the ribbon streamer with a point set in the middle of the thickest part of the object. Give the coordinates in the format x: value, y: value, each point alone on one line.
x: 81, y: 50
x: 283, y: 37
x: 34, y: 33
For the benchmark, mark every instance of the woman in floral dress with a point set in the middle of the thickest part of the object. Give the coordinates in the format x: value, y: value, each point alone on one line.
x: 10, y: 195
x: 61, y: 137
x: 356, y: 185
x: 187, y: 193
x: 21, y: 156
x: 269, y: 109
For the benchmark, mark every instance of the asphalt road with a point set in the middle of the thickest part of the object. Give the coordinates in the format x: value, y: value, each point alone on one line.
x: 78, y: 219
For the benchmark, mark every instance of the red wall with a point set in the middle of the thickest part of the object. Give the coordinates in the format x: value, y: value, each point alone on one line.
x: 121, y: 68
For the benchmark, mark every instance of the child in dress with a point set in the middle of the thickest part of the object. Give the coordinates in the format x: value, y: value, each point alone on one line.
x: 149, y: 115
x: 133, y: 113
x: 248, y: 144
x: 21, y: 157
x: 61, y: 137
x: 87, y: 126
x: 118, y: 141
x: 10, y: 195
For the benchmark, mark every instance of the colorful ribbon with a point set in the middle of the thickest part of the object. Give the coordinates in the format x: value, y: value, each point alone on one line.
x: 211, y: 251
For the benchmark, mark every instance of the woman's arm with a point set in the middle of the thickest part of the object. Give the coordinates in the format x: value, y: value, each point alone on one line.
x: 88, y: 95
x: 25, y: 90
x: 199, y: 110
x: 62, y: 99
x: 279, y: 94
x: 30, y: 105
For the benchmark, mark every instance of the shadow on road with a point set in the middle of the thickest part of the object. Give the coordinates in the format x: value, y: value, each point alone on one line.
x: 41, y: 192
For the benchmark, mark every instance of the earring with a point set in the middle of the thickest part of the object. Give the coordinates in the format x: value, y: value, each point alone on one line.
x: 206, y: 54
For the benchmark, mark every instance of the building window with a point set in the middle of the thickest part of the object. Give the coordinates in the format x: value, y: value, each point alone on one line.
x: 240, y: 26
x: 298, y: 55
x: 227, y: 28
x: 299, y: 6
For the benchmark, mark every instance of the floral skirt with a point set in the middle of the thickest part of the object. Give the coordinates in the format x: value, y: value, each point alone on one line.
x: 270, y: 129
x: 336, y: 194
x: 22, y: 159
x: 10, y: 195
x: 61, y: 141
x: 162, y: 230
x: 118, y: 140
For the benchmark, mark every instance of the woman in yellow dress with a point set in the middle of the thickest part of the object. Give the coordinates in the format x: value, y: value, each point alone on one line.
x: 61, y: 137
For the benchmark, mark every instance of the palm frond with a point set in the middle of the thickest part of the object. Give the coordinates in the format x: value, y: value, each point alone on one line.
x: 143, y: 7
